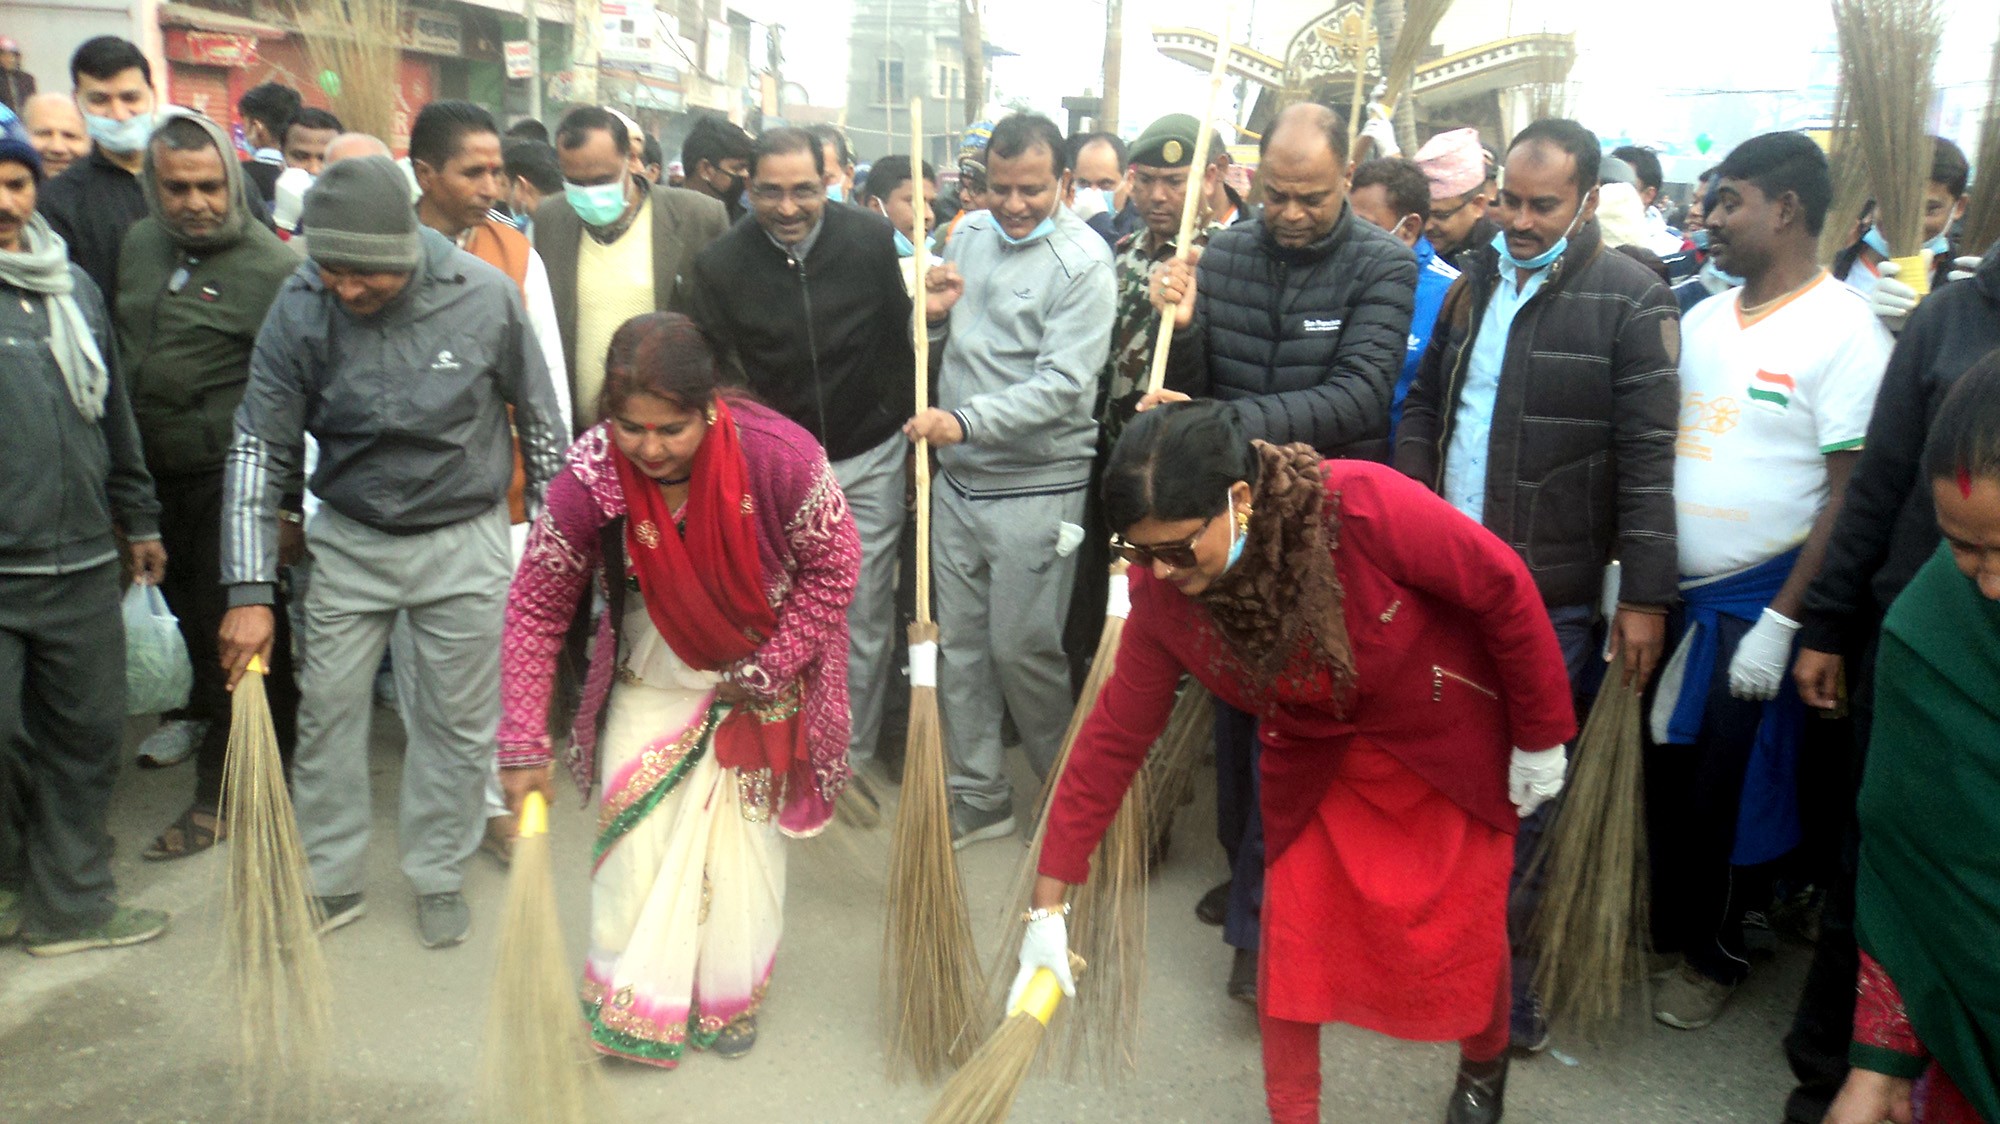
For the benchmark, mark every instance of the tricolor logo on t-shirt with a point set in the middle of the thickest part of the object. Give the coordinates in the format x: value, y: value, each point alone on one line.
x: 1775, y: 390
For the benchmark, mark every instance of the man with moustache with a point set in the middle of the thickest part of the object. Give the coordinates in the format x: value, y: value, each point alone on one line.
x: 196, y: 277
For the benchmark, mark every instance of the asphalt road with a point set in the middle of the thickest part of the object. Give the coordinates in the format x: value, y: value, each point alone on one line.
x: 141, y: 1034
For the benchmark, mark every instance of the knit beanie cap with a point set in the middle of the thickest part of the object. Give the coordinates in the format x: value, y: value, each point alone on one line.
x: 14, y: 145
x: 358, y: 216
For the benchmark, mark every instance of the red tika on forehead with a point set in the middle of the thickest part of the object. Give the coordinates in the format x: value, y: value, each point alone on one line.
x: 1965, y: 481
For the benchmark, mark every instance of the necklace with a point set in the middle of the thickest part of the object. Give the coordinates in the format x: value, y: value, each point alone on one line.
x: 1753, y: 309
x: 676, y: 483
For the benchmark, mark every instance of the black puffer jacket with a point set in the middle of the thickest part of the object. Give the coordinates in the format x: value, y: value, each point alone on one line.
x: 1580, y: 465
x: 1888, y: 527
x: 1307, y: 343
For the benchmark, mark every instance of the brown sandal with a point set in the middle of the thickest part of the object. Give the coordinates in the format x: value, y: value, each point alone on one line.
x: 185, y: 837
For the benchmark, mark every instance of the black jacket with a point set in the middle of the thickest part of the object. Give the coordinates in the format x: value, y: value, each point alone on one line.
x: 1306, y: 343
x: 1887, y: 527
x: 824, y: 340
x: 1464, y: 255
x: 92, y: 204
x: 1581, y: 462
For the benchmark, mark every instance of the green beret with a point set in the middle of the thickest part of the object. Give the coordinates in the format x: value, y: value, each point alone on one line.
x: 1169, y: 143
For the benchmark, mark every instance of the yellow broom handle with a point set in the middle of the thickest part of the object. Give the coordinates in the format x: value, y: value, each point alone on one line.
x: 256, y: 666
x: 534, y: 816
x: 1163, y: 336
x: 920, y: 328
x: 1040, y: 997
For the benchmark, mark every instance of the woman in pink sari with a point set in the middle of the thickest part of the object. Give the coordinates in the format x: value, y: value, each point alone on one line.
x: 714, y: 713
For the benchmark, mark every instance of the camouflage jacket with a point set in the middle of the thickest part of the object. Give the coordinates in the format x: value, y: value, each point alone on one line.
x: 1123, y: 381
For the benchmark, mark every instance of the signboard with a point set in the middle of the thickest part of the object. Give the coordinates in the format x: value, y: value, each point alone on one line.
x: 211, y: 48
x: 433, y: 31
x: 628, y: 27
x: 520, y: 58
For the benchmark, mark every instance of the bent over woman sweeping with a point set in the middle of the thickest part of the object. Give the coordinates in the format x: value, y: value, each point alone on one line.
x: 714, y: 713
x: 1394, y: 652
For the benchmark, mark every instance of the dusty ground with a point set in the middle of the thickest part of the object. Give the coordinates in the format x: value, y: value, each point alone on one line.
x: 140, y: 1034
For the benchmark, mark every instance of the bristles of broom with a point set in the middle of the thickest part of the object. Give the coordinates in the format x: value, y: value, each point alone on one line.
x: 1982, y: 213
x: 984, y: 1090
x: 1420, y: 22
x: 1108, y: 912
x: 1175, y: 759
x: 271, y: 951
x: 1849, y: 169
x: 536, y: 1066
x: 929, y: 979
x: 1591, y: 928
x: 1888, y: 52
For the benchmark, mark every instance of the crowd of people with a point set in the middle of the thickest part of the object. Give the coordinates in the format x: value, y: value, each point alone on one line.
x: 573, y: 454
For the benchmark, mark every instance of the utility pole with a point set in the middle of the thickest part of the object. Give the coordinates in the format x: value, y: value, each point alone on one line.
x: 1114, y: 58
x: 975, y: 59
x: 530, y: 9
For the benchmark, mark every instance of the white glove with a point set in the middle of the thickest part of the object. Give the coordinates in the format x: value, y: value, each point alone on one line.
x: 1535, y: 777
x: 1380, y: 130
x: 1762, y: 658
x: 1044, y: 945
x: 1890, y: 299
x: 1963, y: 268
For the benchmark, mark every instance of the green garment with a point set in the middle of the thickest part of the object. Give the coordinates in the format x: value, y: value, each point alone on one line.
x: 1928, y: 895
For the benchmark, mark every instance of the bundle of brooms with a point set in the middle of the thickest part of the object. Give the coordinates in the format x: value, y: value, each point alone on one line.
x: 271, y: 951
x: 535, y: 1066
x: 983, y: 1091
x: 1888, y: 51
x: 1591, y: 929
x: 1171, y: 766
x: 929, y: 975
x: 1982, y: 214
x: 1108, y: 914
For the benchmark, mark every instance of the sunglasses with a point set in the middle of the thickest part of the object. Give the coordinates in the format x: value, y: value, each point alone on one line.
x: 1175, y: 555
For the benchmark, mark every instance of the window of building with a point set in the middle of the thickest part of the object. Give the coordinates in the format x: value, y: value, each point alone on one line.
x: 889, y: 82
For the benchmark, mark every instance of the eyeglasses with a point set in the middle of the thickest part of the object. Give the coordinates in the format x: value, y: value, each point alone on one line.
x: 1445, y: 216
x: 1175, y: 555
x: 772, y: 193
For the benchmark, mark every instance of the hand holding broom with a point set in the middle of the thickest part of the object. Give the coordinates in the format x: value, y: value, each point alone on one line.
x: 984, y: 1091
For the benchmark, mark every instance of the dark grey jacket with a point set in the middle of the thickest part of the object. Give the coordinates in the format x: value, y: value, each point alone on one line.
x: 64, y: 482
x: 1307, y: 343
x: 408, y: 407
x: 1581, y: 467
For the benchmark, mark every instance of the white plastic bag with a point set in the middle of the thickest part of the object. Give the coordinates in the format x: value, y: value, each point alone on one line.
x: 158, y: 673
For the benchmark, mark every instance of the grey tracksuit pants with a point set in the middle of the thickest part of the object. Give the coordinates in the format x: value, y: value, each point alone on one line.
x: 874, y: 484
x: 450, y: 584
x: 1003, y: 592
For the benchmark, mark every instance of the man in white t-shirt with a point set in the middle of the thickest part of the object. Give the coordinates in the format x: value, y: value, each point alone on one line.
x: 1778, y: 379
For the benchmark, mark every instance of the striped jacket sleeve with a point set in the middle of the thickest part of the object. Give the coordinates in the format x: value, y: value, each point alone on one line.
x: 264, y: 462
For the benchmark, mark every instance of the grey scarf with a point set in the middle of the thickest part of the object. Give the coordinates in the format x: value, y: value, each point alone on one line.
x: 43, y: 267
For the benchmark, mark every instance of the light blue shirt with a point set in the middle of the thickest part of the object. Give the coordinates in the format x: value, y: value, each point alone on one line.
x: 1472, y: 426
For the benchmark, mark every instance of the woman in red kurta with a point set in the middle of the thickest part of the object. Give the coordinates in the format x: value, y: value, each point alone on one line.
x: 1394, y: 652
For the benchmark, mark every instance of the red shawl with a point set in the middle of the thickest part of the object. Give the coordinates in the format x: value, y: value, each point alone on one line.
x: 701, y: 588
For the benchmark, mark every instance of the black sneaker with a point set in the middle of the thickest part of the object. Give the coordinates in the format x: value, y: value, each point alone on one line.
x: 443, y: 919
x: 1480, y: 1094
x: 1243, y: 976
x: 971, y: 825
x: 1213, y: 908
x: 337, y: 910
x: 1528, y: 1026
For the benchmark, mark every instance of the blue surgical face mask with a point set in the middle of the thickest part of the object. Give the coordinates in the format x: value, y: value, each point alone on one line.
x: 122, y: 137
x: 1700, y: 239
x: 904, y: 247
x: 1874, y: 240
x: 1729, y: 280
x: 1542, y: 259
x: 1045, y: 227
x: 598, y: 204
x: 836, y: 193
x: 1237, y: 539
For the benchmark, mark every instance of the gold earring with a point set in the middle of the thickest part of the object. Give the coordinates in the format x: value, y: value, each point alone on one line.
x: 710, y: 413
x: 1243, y: 521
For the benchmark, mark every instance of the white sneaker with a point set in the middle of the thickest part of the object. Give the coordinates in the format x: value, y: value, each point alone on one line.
x: 172, y: 743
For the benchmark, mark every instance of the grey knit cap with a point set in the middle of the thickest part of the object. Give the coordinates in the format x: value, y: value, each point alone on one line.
x: 358, y: 216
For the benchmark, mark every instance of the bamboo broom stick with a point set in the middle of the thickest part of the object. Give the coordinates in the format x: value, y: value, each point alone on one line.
x: 929, y: 978
x: 272, y: 956
x: 1420, y: 22
x: 1163, y: 336
x: 1355, y: 109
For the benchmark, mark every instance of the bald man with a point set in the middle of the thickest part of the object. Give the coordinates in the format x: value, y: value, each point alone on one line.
x: 1299, y: 320
x: 56, y: 129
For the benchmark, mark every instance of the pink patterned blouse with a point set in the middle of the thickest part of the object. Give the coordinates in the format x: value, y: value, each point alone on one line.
x: 810, y: 555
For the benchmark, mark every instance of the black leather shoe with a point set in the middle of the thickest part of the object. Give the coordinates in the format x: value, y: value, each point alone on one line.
x: 1214, y: 905
x: 1480, y: 1094
x: 1243, y: 976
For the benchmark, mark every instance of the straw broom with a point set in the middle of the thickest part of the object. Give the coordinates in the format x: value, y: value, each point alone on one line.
x: 984, y: 1091
x: 929, y: 978
x: 1591, y: 928
x: 1888, y: 50
x: 271, y: 951
x: 1171, y: 766
x: 1420, y: 22
x: 1982, y: 214
x: 535, y: 1065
